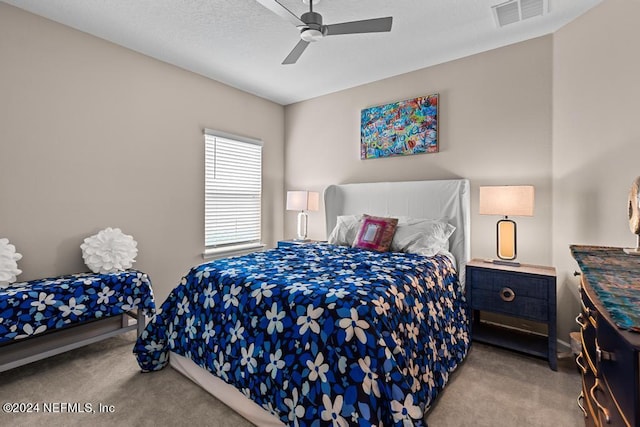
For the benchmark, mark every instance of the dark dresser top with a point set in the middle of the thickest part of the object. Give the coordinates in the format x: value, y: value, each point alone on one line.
x: 614, y: 277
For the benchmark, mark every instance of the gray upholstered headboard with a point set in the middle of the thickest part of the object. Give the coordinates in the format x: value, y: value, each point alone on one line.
x: 418, y: 199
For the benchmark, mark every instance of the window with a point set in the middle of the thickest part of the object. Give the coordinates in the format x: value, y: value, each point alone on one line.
x: 233, y: 188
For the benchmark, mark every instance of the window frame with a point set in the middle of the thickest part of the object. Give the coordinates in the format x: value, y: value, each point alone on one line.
x: 213, y: 251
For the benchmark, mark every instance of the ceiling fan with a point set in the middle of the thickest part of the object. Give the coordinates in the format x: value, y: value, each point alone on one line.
x: 312, y: 29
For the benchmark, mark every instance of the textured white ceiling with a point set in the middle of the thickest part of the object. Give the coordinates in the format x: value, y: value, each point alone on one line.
x: 242, y: 44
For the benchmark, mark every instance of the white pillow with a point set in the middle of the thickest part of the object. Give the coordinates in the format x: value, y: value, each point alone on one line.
x: 422, y: 236
x: 345, y: 231
x: 8, y: 263
x: 109, y: 251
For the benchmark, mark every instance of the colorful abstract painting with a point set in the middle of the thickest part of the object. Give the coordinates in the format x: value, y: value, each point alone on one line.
x: 400, y: 128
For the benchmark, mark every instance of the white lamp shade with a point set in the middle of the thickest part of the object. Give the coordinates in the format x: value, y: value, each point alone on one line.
x: 303, y: 200
x: 507, y: 200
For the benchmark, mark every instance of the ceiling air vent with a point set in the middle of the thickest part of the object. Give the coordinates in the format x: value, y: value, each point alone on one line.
x: 518, y: 10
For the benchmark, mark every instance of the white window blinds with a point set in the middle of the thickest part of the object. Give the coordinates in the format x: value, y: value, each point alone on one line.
x: 233, y: 188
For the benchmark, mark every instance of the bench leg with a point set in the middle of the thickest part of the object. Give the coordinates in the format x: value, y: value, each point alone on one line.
x: 141, y: 321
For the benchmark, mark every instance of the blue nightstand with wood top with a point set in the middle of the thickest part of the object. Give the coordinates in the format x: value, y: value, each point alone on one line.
x: 523, y: 292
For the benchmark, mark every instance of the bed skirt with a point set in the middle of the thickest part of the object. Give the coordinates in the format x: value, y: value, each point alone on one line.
x: 224, y: 392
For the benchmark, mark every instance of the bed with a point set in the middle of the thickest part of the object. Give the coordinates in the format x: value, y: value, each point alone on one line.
x: 318, y: 334
x: 44, y: 317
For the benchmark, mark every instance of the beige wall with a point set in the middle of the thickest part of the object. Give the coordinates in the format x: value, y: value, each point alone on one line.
x: 94, y: 135
x: 559, y: 112
x: 495, y: 128
x: 596, y: 136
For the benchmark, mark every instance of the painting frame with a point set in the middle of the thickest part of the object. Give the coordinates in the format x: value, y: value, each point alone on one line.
x: 401, y: 128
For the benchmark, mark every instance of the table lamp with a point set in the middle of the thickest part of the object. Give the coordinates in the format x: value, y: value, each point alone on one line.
x: 302, y: 201
x: 508, y: 200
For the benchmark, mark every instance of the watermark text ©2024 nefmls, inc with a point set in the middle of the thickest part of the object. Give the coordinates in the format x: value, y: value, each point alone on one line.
x: 57, y: 408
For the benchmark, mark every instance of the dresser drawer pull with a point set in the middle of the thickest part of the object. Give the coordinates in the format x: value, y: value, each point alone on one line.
x: 582, y: 367
x: 580, y: 400
x: 604, y: 355
x: 507, y: 294
x: 604, y: 410
x: 580, y: 321
x: 585, y: 309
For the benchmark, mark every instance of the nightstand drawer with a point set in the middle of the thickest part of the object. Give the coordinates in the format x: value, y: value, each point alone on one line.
x: 521, y: 306
x: 511, y: 294
x: 523, y: 285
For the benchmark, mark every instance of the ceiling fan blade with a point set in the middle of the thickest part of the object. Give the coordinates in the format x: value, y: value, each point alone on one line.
x: 281, y: 11
x: 376, y: 25
x: 295, y: 53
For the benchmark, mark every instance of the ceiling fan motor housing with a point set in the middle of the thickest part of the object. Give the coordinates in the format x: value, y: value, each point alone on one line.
x: 313, y: 29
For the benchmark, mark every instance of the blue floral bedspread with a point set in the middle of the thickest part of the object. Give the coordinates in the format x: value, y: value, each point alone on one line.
x: 38, y: 306
x: 319, y: 334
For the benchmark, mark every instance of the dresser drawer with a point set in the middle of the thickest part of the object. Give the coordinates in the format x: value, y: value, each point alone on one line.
x: 617, y: 364
x: 588, y: 307
x: 589, y: 349
x: 605, y: 406
x: 587, y: 322
x: 589, y: 407
x: 525, y: 296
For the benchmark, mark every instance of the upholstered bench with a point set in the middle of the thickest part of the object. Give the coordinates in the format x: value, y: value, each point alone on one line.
x: 45, y: 317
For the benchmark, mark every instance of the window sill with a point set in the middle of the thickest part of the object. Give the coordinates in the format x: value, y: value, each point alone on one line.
x: 214, y: 253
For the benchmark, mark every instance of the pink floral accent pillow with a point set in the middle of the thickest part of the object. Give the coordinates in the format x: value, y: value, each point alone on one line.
x: 375, y: 233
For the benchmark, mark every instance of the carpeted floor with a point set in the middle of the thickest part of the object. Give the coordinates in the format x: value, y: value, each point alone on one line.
x: 494, y: 387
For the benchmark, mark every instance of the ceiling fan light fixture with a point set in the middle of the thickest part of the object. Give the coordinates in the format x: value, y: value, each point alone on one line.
x: 312, y: 29
x: 311, y: 35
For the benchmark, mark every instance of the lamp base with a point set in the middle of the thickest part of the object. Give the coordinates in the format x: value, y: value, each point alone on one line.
x: 505, y: 262
x: 506, y: 239
x: 302, y: 226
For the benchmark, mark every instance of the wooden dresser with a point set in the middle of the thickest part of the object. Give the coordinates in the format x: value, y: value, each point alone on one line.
x: 610, y: 289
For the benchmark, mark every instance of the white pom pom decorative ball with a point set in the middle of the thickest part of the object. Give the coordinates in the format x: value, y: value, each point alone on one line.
x: 109, y: 251
x: 8, y: 263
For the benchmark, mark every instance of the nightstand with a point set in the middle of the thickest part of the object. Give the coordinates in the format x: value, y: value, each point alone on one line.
x: 288, y: 243
x: 524, y: 292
